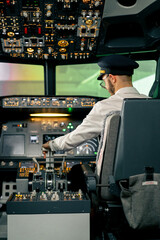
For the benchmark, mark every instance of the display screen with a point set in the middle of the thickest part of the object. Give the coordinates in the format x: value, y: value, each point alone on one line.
x: 27, y: 164
x: 13, y: 145
x: 81, y: 79
x: 34, y: 139
x: 48, y: 137
x: 21, y: 79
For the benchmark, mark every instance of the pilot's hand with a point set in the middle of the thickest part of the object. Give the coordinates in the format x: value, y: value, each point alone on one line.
x: 45, y: 148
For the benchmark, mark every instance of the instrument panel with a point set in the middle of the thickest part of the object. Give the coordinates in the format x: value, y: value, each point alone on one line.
x: 48, y: 102
x: 25, y: 138
x: 45, y: 29
x: 22, y: 134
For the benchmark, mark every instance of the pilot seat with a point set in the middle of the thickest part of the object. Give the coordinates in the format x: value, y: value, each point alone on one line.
x: 125, y: 188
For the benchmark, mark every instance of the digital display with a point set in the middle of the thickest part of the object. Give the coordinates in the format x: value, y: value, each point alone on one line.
x: 34, y: 139
x: 13, y: 145
x: 49, y: 137
x: 27, y: 165
x: 89, y: 147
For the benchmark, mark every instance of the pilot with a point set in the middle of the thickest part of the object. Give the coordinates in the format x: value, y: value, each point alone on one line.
x: 116, y: 76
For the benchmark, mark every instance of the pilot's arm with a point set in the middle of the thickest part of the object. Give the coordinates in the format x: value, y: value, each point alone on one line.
x: 90, y: 127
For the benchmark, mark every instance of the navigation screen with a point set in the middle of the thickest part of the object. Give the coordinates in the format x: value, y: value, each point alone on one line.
x: 13, y: 145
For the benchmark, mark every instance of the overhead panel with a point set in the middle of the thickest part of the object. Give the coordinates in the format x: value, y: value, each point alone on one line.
x: 50, y: 29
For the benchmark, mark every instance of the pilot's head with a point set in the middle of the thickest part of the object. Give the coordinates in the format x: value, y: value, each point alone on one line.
x: 116, y: 72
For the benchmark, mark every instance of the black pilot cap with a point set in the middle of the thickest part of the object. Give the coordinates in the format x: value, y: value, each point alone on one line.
x: 116, y: 65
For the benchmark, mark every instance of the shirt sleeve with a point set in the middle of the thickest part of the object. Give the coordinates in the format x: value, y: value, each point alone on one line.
x: 90, y: 127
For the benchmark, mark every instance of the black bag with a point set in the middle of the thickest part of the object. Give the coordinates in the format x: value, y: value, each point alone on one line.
x: 141, y: 201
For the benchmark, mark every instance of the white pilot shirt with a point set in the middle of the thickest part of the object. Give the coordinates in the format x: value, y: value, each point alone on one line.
x: 92, y: 125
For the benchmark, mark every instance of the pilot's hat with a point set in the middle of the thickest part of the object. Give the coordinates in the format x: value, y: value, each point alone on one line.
x: 116, y: 65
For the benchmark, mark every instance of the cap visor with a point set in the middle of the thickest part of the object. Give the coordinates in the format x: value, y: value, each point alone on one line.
x: 100, y: 77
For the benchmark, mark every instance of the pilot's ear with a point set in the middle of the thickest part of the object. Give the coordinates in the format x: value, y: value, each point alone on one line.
x: 112, y: 78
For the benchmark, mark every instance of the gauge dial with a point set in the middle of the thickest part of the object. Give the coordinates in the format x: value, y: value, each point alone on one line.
x: 88, y: 148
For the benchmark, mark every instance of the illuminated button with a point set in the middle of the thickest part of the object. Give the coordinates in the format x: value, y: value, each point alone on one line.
x: 4, y: 127
x: 11, y: 163
x: 25, y: 30
x: 63, y: 43
x: 3, y: 163
x: 10, y: 34
x: 30, y: 50
x: 62, y: 50
x: 49, y: 13
x: 8, y: 2
x: 4, y: 31
x: 89, y: 22
x: 62, y: 124
x: 70, y: 109
x: 49, y: 50
x: 37, y: 14
x: 70, y: 126
x: 49, y: 6
x: 39, y: 30
x: 55, y: 125
x: 86, y: 1
x: 25, y: 14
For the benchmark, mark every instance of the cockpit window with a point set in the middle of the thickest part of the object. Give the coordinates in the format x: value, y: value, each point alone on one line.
x: 81, y: 79
x: 71, y: 80
x: 144, y: 76
x: 21, y: 79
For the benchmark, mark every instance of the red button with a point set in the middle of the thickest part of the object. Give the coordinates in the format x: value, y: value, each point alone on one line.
x: 25, y: 30
x: 39, y: 30
x: 8, y: 2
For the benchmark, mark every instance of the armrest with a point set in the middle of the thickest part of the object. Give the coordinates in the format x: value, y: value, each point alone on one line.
x: 89, y: 177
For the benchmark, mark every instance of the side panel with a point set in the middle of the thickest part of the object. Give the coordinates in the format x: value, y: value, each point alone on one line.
x: 49, y: 226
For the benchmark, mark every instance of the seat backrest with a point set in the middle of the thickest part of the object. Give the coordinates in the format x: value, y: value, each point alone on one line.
x: 138, y: 144
x: 130, y: 153
x: 106, y: 153
x: 130, y: 142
